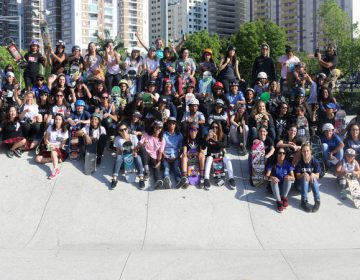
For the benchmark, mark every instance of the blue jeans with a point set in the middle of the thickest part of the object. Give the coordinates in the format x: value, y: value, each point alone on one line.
x: 305, y: 187
x: 339, y: 155
x: 174, y: 167
x: 119, y: 161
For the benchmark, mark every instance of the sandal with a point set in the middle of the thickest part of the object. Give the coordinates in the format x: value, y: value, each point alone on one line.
x: 10, y: 153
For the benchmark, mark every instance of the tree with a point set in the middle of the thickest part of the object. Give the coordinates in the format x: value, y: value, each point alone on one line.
x: 250, y: 36
x: 201, y: 40
x: 102, y: 40
x: 5, y: 59
x: 335, y: 26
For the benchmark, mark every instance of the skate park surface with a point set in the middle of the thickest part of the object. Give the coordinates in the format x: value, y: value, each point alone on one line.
x: 76, y: 228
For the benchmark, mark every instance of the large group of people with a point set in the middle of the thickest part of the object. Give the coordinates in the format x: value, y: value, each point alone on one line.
x: 166, y: 104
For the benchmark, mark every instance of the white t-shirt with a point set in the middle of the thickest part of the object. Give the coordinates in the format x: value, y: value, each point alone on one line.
x: 57, y: 136
x: 34, y: 111
x: 119, y: 142
x: 152, y: 64
x: 96, y: 132
x: 287, y: 64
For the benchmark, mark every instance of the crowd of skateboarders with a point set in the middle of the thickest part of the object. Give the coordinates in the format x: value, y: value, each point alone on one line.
x: 166, y: 116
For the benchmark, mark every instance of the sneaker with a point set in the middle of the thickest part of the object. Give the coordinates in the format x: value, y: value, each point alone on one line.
x: 284, y: 201
x: 167, y: 182
x: 17, y: 153
x: 279, y: 206
x: 316, y: 206
x: 113, y: 183
x: 54, y: 174
x: 207, y: 184
x: 306, y: 206
x: 159, y: 184
x: 232, y: 183
x: 98, y: 160
x: 201, y: 185
x: 142, y: 183
x: 10, y: 153
x: 183, y: 181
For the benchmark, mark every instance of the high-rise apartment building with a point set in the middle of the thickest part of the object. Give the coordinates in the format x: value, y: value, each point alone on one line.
x: 298, y: 17
x: 54, y: 19
x: 183, y: 16
x: 133, y: 17
x: 9, y: 27
x: 33, y: 13
x: 186, y: 17
x: 225, y: 16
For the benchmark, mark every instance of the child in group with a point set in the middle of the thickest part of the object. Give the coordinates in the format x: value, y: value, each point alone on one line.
x: 34, y: 58
x: 346, y: 167
x: 261, y: 85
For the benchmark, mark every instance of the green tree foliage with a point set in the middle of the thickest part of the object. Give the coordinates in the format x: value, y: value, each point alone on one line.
x: 250, y: 36
x: 198, y: 41
x: 335, y: 25
x: 102, y: 40
x: 5, y: 59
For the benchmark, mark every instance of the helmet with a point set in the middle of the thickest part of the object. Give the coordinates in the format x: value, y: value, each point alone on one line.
x: 300, y: 92
x: 219, y: 102
x: 332, y: 45
x: 115, y: 90
x: 60, y: 43
x: 262, y: 75
x: 96, y: 115
x: 151, y: 83
x: 208, y: 50
x: 123, y: 81
x: 327, y: 126
x: 231, y: 48
x: 321, y: 76
x: 190, y: 85
x: 80, y: 103
x: 136, y: 49
x: 75, y: 48
x: 194, y: 101
x: 219, y: 85
x: 233, y: 83
x: 207, y: 74
x: 250, y: 89
x: 34, y: 42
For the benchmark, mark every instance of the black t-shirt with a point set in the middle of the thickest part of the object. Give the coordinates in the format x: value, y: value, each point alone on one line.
x: 45, y: 109
x: 194, y: 144
x: 330, y: 58
x: 11, y: 130
x: 75, y: 63
x: 33, y: 60
x: 58, y: 67
x: 312, y: 167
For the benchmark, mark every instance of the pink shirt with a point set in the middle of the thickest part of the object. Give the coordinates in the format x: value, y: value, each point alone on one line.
x: 153, y: 145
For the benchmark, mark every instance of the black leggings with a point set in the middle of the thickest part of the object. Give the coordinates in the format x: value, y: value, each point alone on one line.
x: 30, y: 130
x: 111, y: 80
x: 149, y: 161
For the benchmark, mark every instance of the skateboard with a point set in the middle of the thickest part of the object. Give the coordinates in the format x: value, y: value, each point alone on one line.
x: 74, y: 149
x: 258, y: 163
x: 74, y: 74
x: 193, y: 167
x: 15, y: 52
x: 45, y: 35
x: 206, y: 83
x: 218, y: 169
x: 340, y: 124
x: 147, y: 99
x: 354, y: 188
x: 90, y: 158
x: 317, y: 152
x: 129, y: 164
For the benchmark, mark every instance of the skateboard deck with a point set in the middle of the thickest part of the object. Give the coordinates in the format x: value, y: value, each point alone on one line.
x: 258, y: 163
x: 45, y: 35
x: 193, y: 168
x: 354, y: 188
x: 206, y: 82
x: 90, y: 159
x: 340, y: 124
x: 147, y: 99
x: 74, y: 149
x: 129, y: 164
x: 316, y: 148
x: 218, y: 169
x: 15, y: 52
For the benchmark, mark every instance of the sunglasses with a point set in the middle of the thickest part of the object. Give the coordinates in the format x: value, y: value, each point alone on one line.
x: 104, y: 97
x: 59, y: 95
x: 122, y: 129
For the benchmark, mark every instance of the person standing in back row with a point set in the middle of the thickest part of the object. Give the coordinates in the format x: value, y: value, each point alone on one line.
x: 264, y: 63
